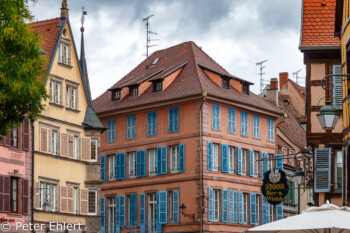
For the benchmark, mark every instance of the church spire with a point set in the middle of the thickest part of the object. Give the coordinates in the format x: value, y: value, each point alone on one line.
x: 64, y: 10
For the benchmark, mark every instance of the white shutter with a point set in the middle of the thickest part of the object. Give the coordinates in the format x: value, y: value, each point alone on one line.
x: 322, y: 178
x: 337, y: 87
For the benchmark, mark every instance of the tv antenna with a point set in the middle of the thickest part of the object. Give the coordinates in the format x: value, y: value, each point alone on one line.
x: 261, y: 74
x: 297, y: 78
x: 148, y: 37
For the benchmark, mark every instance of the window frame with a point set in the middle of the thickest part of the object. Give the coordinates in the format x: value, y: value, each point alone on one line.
x: 152, y: 216
x: 54, y: 142
x: 134, y: 91
x: 244, y: 124
x: 112, y: 167
x: 256, y: 164
x: 158, y: 85
x: 174, y: 157
x: 132, y: 161
x: 270, y: 130
x: 116, y: 94
x: 225, y: 82
x: 150, y: 171
x: 245, y: 208
x: 216, y: 205
x: 95, y: 201
x: 215, y: 157
x: 12, y: 201
x: 336, y: 184
x: 15, y: 138
x: 231, y: 151
x: 55, y: 91
x: 111, y: 219
x: 256, y: 127
x: 71, y: 96
x: 46, y: 190
x: 244, y: 161
x: 64, y: 53
x: 95, y: 151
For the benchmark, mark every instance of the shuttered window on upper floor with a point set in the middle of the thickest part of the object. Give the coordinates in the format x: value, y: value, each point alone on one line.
x: 131, y: 127
x: 322, y: 170
x: 244, y: 124
x: 337, y: 87
x: 151, y: 123
x: 111, y: 130
x: 215, y: 117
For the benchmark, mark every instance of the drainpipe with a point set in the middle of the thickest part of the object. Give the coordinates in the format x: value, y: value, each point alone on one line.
x: 32, y: 189
x: 201, y: 211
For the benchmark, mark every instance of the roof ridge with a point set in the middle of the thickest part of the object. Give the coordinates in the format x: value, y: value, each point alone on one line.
x: 43, y: 21
x: 196, y: 65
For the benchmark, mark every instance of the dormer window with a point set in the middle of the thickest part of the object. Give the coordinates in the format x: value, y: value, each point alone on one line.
x: 245, y: 88
x: 116, y: 94
x: 157, y: 85
x: 225, y: 83
x: 134, y: 90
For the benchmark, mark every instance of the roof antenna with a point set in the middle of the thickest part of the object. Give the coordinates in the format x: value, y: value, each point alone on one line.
x: 148, y: 37
x: 297, y: 77
x: 261, y: 74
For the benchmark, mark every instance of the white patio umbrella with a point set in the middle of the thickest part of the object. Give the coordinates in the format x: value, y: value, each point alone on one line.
x: 327, y: 218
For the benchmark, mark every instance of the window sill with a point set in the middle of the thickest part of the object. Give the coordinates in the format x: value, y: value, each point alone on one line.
x: 14, y: 214
x: 65, y: 65
x: 244, y: 136
x: 131, y: 138
x: 216, y: 130
x: 72, y: 110
x: 56, y: 105
x: 14, y: 149
x: 258, y: 139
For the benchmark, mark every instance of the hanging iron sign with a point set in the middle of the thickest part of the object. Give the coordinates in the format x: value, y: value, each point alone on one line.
x: 274, y: 186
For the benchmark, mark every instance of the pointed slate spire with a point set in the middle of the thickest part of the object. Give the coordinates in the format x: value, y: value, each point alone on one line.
x: 90, y: 119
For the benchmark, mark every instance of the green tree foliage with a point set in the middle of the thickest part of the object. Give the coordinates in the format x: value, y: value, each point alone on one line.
x: 21, y: 66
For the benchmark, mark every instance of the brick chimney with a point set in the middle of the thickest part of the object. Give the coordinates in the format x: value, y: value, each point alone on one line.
x: 283, y: 79
x: 64, y: 10
x: 272, y: 93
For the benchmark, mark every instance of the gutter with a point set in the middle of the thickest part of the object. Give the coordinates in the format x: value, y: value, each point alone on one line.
x: 32, y: 189
x: 201, y: 210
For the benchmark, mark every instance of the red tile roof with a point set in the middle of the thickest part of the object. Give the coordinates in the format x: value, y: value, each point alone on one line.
x: 192, y: 80
x: 48, y: 32
x: 318, y: 23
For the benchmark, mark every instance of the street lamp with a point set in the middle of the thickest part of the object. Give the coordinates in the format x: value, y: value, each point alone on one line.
x: 183, y: 212
x: 299, y: 177
x: 328, y: 116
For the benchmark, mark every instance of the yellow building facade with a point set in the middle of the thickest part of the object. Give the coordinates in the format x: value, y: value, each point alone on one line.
x: 67, y: 136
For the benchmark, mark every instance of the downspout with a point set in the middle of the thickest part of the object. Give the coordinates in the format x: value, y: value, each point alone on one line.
x: 201, y: 211
x: 32, y: 189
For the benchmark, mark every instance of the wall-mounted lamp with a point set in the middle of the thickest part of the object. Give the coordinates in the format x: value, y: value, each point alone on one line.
x: 183, y: 212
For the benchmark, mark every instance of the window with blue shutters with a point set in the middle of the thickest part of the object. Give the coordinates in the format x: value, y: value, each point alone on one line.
x: 142, y: 203
x: 162, y: 156
x: 140, y: 163
x: 244, y: 124
x: 231, y: 121
x: 215, y: 117
x: 151, y: 123
x: 224, y: 158
x: 103, y: 215
x: 175, y: 206
x: 173, y: 120
x: 132, y: 210
x: 256, y: 127
x: 111, y: 130
x: 103, y: 168
x: 270, y: 130
x: 162, y: 207
x: 131, y: 127
x: 120, y: 166
x: 253, y: 209
x: 224, y: 205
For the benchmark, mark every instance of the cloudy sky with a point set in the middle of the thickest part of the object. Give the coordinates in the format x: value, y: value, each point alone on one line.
x: 235, y: 33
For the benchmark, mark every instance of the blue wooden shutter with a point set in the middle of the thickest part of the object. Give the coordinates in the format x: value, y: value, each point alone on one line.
x: 143, y: 163
x: 164, y: 163
x: 175, y: 207
x: 133, y: 209
x: 253, y: 209
x: 103, y: 215
x: 176, y: 119
x: 246, y: 124
x: 149, y: 123
x: 263, y: 163
x: 242, y: 124
x: 118, y: 172
x: 224, y: 158
x: 122, y: 210
x: 258, y: 127
x: 229, y: 122
x: 235, y: 207
x: 337, y: 87
x: 279, y: 211
x: 162, y: 207
x: 171, y: 120
x: 134, y: 127
x: 109, y: 132
x: 182, y: 157
x: 224, y: 205
x: 322, y: 170
x: 251, y: 163
x: 218, y: 117
x: 128, y: 127
x: 265, y: 210
x: 117, y: 213
x: 239, y: 160
x: 213, y: 117
x: 210, y: 156
x: 279, y: 161
x: 240, y: 207
x: 231, y: 207
x: 138, y: 163
x: 142, y: 213
x: 114, y: 129
x: 103, y: 168
x: 159, y: 161
x: 210, y: 205
x: 122, y: 166
x: 154, y: 125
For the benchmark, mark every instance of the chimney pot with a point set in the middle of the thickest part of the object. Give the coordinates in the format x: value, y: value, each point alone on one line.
x: 274, y: 83
x: 283, y: 79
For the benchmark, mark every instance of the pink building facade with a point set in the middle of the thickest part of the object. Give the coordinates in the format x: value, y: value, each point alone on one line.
x: 16, y: 175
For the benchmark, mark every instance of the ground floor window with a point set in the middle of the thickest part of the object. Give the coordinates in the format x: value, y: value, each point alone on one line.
x: 216, y: 202
x: 111, y: 214
x: 152, y: 212
x: 92, y: 202
x: 245, y: 210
